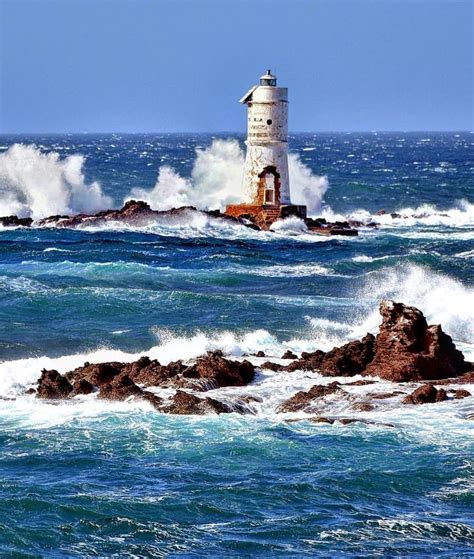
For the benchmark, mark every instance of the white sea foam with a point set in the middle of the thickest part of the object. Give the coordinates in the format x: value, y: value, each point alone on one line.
x: 37, y: 184
x: 461, y: 215
x: 443, y: 299
x: 216, y: 180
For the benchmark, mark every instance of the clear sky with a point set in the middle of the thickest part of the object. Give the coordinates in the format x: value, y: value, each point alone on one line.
x: 182, y: 65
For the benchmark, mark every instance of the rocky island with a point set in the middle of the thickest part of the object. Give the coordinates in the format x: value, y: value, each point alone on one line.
x: 139, y: 213
x: 421, y: 359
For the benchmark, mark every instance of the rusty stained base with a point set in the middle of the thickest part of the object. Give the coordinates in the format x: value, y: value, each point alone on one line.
x: 264, y: 216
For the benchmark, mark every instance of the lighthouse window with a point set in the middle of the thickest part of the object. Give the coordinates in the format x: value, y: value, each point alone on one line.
x: 269, y: 121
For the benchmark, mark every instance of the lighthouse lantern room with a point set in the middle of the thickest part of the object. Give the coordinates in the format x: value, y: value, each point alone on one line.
x: 266, y: 179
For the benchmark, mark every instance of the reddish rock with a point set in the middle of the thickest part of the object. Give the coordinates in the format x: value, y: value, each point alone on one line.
x: 120, y: 389
x: 426, y: 394
x: 407, y: 349
x: 120, y: 381
x: 289, y: 355
x: 53, y: 386
x: 347, y: 360
x: 307, y: 362
x: 302, y: 400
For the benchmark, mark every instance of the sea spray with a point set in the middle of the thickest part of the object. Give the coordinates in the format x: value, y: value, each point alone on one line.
x: 216, y: 181
x: 37, y: 184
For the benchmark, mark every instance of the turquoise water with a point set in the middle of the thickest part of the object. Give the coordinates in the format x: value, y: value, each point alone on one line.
x: 87, y: 478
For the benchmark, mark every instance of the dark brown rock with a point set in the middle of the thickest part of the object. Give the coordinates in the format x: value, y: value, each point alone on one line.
x: 349, y: 359
x: 426, y: 394
x: 407, y: 349
x: 14, y: 221
x: 82, y: 386
x: 307, y: 362
x: 184, y: 403
x: 53, y: 386
x: 214, y: 371
x: 301, y: 400
x: 120, y: 389
x: 289, y: 355
x: 321, y: 420
x: 96, y: 374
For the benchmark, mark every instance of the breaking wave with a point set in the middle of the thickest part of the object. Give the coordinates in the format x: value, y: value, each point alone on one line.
x: 461, y: 215
x: 442, y: 299
x: 35, y: 184
x: 216, y: 180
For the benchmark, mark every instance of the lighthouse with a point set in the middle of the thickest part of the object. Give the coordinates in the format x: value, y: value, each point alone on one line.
x: 266, y: 178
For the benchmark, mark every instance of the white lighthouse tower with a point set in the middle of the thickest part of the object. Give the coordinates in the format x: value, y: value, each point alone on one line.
x: 266, y: 180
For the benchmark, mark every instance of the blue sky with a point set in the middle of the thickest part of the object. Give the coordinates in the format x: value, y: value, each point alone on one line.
x: 182, y: 65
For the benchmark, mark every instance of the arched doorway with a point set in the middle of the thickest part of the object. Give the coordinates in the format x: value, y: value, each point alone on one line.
x: 269, y: 187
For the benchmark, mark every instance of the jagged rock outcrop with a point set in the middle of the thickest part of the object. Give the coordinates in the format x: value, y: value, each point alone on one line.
x: 407, y: 349
x: 121, y: 381
x: 138, y: 212
x: 348, y: 360
x: 53, y: 386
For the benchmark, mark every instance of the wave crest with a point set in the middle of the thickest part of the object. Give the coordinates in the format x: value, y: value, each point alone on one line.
x: 35, y: 184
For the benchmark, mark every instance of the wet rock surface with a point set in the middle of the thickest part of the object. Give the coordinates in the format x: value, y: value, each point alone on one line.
x: 302, y: 400
x: 121, y: 381
x: 138, y: 212
x: 406, y: 349
x: 426, y: 394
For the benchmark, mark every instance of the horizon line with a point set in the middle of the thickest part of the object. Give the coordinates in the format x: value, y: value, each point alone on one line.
x: 221, y: 132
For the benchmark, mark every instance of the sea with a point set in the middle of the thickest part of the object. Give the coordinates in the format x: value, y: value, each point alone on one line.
x: 88, y: 478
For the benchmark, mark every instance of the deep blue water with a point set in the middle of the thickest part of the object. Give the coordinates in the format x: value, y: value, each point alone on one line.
x: 95, y: 479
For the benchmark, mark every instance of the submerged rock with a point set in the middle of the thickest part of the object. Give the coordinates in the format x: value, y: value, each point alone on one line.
x: 461, y: 393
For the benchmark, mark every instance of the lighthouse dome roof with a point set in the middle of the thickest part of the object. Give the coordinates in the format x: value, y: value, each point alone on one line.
x: 268, y: 79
